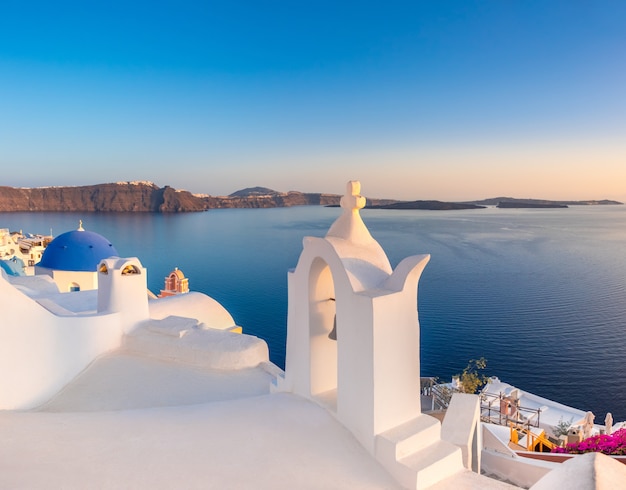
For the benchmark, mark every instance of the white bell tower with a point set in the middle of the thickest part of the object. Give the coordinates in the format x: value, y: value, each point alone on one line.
x: 353, y: 345
x: 370, y: 375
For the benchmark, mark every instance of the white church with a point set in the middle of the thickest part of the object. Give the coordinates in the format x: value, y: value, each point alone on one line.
x: 103, y: 385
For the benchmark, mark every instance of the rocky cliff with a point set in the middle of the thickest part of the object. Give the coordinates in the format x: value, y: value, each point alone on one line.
x: 120, y: 197
x: 272, y: 199
x: 147, y: 197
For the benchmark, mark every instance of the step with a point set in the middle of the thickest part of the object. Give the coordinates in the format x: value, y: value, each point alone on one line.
x: 429, y: 465
x: 408, y: 438
x: 468, y: 480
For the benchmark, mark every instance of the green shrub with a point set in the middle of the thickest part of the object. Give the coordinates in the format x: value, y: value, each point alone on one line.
x: 471, y: 380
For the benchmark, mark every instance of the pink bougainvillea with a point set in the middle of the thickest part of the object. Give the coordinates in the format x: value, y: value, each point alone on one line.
x: 615, y: 445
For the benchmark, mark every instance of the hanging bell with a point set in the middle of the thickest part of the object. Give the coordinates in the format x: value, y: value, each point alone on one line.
x: 333, y: 333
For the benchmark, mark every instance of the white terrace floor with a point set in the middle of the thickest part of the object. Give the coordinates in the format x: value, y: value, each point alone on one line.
x: 130, y: 422
x: 133, y: 422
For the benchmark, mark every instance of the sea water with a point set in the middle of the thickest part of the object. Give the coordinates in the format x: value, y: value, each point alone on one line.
x: 539, y: 293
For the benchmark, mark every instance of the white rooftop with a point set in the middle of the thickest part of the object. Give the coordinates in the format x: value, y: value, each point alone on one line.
x: 176, y: 426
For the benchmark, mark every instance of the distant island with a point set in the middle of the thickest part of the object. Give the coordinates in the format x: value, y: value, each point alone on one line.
x: 147, y: 197
x: 428, y: 205
x: 512, y: 202
x: 522, y: 204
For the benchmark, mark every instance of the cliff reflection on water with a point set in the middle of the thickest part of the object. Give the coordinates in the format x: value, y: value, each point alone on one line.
x: 540, y: 293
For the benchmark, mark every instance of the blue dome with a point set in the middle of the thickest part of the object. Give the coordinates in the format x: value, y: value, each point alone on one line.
x: 77, y: 250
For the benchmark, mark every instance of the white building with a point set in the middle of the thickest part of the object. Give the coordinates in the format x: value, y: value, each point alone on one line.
x: 19, y: 252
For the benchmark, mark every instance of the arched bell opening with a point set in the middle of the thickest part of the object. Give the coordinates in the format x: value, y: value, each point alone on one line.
x: 322, y: 329
x: 130, y: 269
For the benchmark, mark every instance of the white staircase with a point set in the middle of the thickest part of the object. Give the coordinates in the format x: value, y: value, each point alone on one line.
x: 415, y: 454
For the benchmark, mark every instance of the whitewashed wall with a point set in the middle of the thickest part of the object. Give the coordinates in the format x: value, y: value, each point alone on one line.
x: 41, y: 352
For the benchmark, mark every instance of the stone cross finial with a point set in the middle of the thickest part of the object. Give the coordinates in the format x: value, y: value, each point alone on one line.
x: 80, y: 225
x: 352, y: 200
x: 349, y: 225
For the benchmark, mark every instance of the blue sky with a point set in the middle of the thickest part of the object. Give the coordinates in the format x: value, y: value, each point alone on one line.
x: 418, y: 100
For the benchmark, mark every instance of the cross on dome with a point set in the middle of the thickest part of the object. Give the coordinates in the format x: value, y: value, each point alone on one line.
x: 80, y: 225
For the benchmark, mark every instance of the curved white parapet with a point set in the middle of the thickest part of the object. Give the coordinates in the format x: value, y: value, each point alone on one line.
x: 194, y: 305
x: 590, y: 470
x: 181, y: 340
x: 34, y: 286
